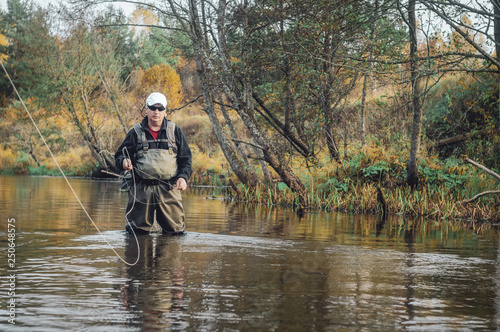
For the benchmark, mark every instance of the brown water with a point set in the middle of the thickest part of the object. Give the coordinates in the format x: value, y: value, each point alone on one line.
x: 239, y: 268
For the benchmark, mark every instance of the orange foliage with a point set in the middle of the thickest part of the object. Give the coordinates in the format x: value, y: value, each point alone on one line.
x: 163, y: 78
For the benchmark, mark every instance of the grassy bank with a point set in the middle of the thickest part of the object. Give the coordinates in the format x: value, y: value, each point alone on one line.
x: 432, y: 202
x: 353, y: 186
x: 74, y: 162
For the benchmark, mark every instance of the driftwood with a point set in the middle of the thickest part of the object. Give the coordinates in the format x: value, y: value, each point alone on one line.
x: 488, y: 192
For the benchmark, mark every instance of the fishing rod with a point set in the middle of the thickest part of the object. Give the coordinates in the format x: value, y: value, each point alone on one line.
x: 67, y: 181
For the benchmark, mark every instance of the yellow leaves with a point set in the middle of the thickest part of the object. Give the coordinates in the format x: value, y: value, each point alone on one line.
x: 4, y: 41
x: 457, y: 169
x: 143, y: 17
x: 7, y: 158
x: 203, y: 162
x: 163, y: 78
x: 431, y: 161
x: 74, y: 161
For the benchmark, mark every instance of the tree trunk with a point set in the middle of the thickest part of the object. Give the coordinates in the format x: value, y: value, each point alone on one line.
x: 496, y: 32
x: 287, y: 176
x: 362, y: 117
x: 457, y: 139
x: 242, y: 151
x: 243, y: 104
x: 227, y: 147
x: 192, y: 26
x: 275, y: 158
x: 412, y: 167
x: 222, y: 76
x: 263, y: 165
x: 325, y: 102
x: 362, y: 113
x: 330, y: 142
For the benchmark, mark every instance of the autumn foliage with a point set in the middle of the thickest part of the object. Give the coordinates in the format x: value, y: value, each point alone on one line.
x: 162, y: 78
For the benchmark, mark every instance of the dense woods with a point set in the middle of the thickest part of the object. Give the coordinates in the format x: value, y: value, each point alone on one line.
x: 315, y: 104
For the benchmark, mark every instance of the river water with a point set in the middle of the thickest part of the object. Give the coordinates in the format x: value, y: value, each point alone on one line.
x: 238, y: 268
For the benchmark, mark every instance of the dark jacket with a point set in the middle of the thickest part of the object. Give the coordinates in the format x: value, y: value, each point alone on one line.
x: 184, y: 158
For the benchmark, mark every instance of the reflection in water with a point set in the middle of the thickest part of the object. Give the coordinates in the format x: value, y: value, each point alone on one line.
x: 153, y: 290
x: 409, y: 236
x: 240, y: 267
x: 380, y: 224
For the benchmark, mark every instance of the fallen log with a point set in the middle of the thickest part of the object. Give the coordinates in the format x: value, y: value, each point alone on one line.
x: 457, y: 139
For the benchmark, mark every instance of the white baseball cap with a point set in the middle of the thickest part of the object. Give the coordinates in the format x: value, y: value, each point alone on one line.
x: 156, y: 98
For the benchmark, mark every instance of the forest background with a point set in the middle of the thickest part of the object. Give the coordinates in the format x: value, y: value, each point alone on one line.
x: 362, y: 106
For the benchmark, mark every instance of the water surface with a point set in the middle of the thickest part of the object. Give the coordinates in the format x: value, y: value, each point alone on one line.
x: 239, y: 268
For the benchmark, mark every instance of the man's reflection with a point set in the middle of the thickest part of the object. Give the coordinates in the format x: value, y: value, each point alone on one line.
x: 410, y: 234
x: 153, y: 289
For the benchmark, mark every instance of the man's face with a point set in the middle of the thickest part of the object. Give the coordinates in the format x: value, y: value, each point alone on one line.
x: 155, y: 113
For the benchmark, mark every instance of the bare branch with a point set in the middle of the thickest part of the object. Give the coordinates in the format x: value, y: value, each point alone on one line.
x: 139, y: 25
x: 490, y: 192
x: 185, y: 105
x: 464, y: 6
x: 248, y: 143
x: 463, y: 34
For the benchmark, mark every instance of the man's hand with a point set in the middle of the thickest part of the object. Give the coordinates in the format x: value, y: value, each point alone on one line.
x: 181, y: 184
x: 127, y: 164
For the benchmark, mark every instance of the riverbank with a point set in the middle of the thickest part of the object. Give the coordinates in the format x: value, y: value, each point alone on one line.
x: 429, y: 202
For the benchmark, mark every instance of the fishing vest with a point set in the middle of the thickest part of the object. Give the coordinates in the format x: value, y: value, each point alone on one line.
x: 156, y: 164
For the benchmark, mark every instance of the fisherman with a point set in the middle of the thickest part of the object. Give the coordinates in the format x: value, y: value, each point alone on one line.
x: 157, y: 153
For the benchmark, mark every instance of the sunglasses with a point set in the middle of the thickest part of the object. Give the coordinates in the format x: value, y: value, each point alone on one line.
x: 154, y: 108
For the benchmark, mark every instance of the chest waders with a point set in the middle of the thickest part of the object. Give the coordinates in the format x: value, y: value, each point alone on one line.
x: 156, y: 164
x: 154, y: 195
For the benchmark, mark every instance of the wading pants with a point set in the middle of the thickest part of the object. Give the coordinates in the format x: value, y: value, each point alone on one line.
x: 148, y: 198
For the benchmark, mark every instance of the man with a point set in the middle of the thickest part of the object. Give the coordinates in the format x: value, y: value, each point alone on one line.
x: 157, y: 152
